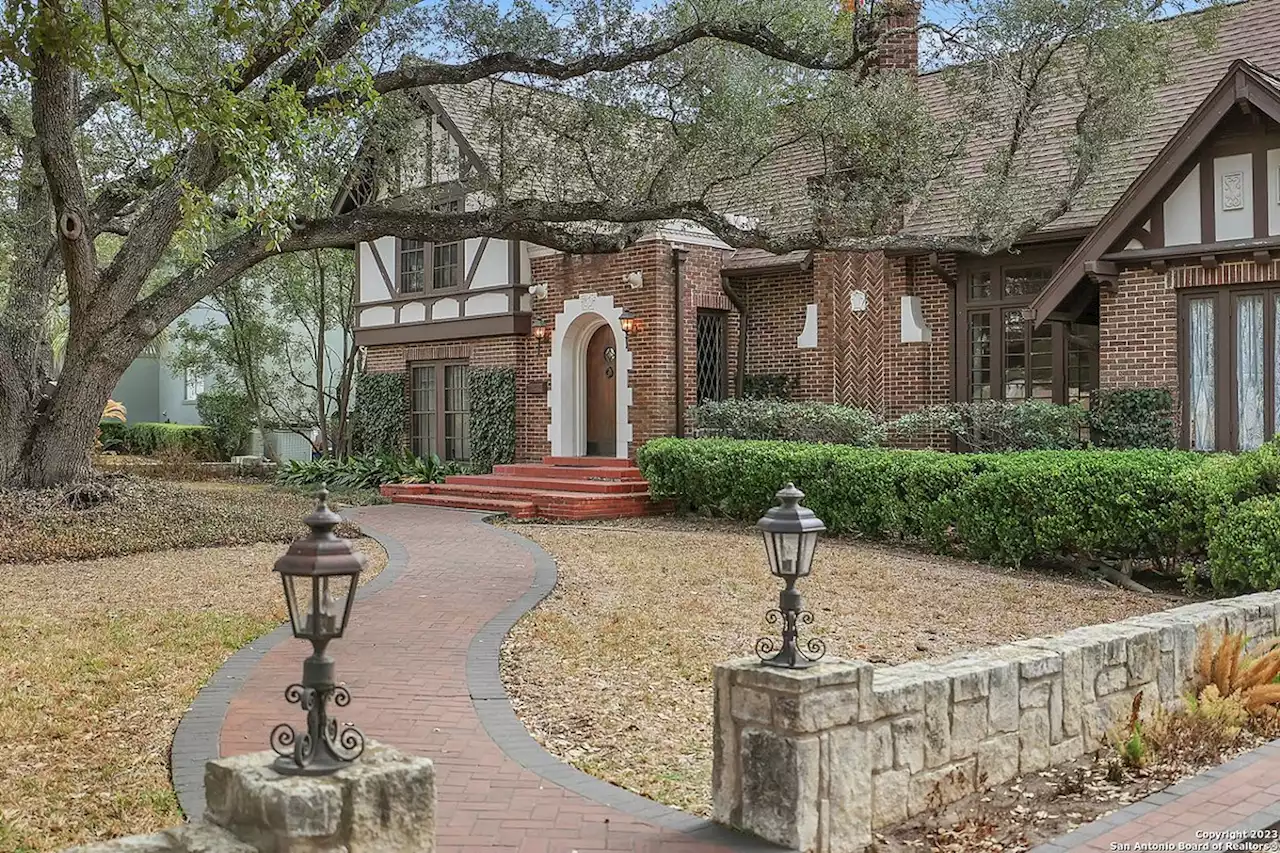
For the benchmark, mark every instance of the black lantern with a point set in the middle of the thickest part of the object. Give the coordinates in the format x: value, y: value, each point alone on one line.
x: 320, y: 573
x: 790, y: 538
x: 628, y: 321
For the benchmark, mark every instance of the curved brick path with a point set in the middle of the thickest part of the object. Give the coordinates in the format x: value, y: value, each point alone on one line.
x: 420, y: 660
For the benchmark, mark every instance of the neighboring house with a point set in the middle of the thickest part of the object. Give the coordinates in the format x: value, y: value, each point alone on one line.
x: 153, y: 392
x: 1168, y: 278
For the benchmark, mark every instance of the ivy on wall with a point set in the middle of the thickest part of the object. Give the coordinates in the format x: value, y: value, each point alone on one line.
x: 768, y: 386
x: 381, y: 412
x: 492, y: 393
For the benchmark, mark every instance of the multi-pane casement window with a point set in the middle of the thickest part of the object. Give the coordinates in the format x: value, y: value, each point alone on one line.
x: 1003, y: 357
x: 1229, y: 367
x: 445, y: 269
x: 440, y: 411
x: 446, y: 258
x: 412, y: 261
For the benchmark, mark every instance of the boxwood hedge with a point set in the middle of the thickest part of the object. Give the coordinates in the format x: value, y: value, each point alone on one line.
x: 1010, y: 508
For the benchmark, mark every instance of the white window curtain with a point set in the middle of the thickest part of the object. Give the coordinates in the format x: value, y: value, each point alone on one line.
x: 1250, y: 397
x: 1200, y: 375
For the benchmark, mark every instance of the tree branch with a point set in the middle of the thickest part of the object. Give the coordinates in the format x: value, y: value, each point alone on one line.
x: 755, y: 36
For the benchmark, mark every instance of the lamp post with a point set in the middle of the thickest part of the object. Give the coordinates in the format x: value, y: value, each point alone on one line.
x: 790, y: 537
x: 319, y: 573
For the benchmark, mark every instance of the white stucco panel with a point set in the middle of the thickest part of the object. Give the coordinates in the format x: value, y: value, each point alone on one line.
x: 1233, y: 197
x: 378, y: 315
x: 445, y: 309
x: 1182, y: 212
x: 372, y: 285
x: 486, y: 303
x: 413, y: 312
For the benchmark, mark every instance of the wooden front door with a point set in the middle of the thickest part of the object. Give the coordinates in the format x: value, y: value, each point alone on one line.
x: 602, y: 390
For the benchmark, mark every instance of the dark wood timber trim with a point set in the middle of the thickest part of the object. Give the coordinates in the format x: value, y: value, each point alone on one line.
x: 738, y: 305
x: 1192, y: 250
x: 935, y: 265
x: 1261, y: 225
x: 1208, y: 202
x: 463, y: 145
x: 1241, y: 79
x: 475, y: 262
x: 1262, y: 257
x: 1157, y: 221
x: 514, y: 267
x: 1209, y: 262
x: 1104, y: 273
x: 382, y: 267
x: 445, y: 330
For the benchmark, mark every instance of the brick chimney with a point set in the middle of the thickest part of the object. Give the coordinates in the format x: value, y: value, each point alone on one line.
x: 895, y: 51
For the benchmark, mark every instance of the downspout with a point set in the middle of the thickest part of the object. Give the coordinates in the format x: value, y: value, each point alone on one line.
x: 741, y: 308
x: 677, y: 256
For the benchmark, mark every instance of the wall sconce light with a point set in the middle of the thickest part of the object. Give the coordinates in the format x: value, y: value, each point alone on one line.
x: 541, y: 330
x: 628, y: 321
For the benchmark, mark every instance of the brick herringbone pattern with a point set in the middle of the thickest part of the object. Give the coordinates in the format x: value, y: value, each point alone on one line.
x: 859, y: 374
x: 404, y: 660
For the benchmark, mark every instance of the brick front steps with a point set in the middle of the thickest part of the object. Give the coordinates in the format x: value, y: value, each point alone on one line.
x: 558, y: 489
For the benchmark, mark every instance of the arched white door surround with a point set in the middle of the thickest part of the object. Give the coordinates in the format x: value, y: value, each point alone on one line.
x: 566, y: 366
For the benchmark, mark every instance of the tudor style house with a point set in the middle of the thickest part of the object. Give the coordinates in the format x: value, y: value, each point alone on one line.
x: 1168, y: 277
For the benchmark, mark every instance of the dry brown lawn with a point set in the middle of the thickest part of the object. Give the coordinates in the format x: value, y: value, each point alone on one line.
x: 613, y: 671
x: 98, y: 661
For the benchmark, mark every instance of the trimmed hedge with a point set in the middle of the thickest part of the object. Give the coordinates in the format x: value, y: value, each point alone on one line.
x: 778, y: 419
x: 1244, y: 549
x: 994, y: 426
x: 1005, y: 507
x: 149, y: 439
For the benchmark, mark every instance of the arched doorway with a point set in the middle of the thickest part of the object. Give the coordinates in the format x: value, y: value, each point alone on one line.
x: 601, y: 415
x: 590, y: 396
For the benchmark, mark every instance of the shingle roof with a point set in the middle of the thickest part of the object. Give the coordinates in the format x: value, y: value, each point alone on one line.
x: 779, y: 192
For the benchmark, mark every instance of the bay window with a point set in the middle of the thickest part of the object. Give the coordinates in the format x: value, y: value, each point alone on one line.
x: 1229, y: 346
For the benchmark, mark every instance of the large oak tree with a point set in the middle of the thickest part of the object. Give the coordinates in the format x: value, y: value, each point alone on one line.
x: 156, y: 149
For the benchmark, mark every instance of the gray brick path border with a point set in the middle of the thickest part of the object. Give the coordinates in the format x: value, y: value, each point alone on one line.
x: 1264, y: 819
x: 196, y: 740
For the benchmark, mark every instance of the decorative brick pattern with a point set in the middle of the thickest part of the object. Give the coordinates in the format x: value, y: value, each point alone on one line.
x: 915, y: 737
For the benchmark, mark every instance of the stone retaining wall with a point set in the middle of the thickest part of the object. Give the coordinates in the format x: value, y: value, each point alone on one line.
x: 816, y: 759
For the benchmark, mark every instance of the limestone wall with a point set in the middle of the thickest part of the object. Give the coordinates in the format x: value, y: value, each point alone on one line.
x: 816, y: 759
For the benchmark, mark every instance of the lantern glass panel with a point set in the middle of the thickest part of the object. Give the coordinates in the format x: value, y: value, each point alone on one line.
x: 783, y: 550
x: 808, y: 544
x: 326, y: 605
x: 297, y: 616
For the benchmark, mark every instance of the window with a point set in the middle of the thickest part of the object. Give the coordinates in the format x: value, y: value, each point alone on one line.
x: 446, y: 258
x: 440, y: 411
x: 1230, y: 367
x: 713, y: 366
x: 412, y: 259
x: 1003, y: 357
x: 193, y: 384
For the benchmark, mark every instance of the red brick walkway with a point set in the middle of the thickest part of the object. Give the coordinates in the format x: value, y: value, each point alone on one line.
x: 405, y: 660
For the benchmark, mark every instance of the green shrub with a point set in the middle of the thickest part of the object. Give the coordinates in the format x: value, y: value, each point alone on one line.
x: 363, y: 472
x: 768, y: 386
x: 151, y: 439
x: 1010, y: 508
x: 1132, y: 418
x: 1244, y: 550
x: 230, y: 416
x: 380, y: 413
x: 993, y: 426
x: 492, y: 435
x: 825, y: 423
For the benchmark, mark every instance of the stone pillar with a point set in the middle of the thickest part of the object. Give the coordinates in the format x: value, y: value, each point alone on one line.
x: 383, y: 803
x: 792, y: 765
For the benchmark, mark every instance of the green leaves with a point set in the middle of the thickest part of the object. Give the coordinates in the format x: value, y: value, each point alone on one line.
x: 381, y: 412
x: 363, y: 472
x: 492, y: 436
